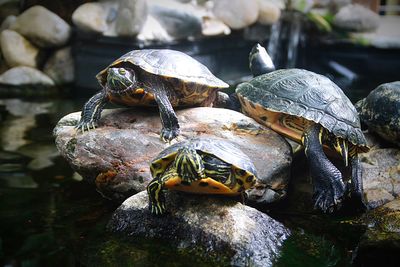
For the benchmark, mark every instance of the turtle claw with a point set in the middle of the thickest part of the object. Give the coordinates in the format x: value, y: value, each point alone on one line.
x: 328, y: 198
x: 157, y: 209
x: 169, y: 134
x: 83, y: 126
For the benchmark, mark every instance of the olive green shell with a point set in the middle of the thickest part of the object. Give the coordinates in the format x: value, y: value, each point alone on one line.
x: 380, y: 111
x: 169, y: 64
x: 216, y: 147
x: 309, y: 95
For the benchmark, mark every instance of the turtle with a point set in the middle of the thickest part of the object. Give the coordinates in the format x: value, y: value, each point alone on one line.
x: 380, y: 111
x: 311, y: 110
x: 201, y: 165
x: 153, y: 77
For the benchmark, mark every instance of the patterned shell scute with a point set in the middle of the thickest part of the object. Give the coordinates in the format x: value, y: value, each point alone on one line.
x: 306, y: 94
x: 224, y: 150
x: 171, y: 63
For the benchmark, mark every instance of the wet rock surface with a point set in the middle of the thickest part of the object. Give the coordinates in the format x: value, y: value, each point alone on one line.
x: 116, y: 155
x: 220, y: 228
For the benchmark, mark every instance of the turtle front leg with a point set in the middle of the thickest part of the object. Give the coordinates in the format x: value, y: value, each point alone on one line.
x: 91, y: 112
x: 169, y: 120
x: 156, y: 194
x: 327, y: 179
x: 356, y: 186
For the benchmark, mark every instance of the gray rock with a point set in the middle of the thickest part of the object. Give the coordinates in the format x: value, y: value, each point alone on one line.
x: 60, y: 66
x: 91, y: 17
x: 131, y: 17
x: 237, y: 14
x: 381, y: 175
x: 212, y: 227
x: 42, y: 27
x: 179, y: 20
x: 116, y: 155
x: 7, y: 22
x: 153, y: 31
x: 18, y: 51
x: 356, y: 18
x: 25, y: 76
x: 269, y: 12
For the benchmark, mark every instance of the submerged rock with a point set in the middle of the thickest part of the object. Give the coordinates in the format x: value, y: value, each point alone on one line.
x: 116, y: 155
x: 220, y: 228
x: 42, y: 27
x: 17, y: 50
x: 25, y: 75
x: 356, y: 18
x: 381, y: 242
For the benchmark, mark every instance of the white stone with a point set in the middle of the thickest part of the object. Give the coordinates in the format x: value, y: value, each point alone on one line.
x: 153, y: 31
x: 42, y: 27
x: 237, y: 14
x: 17, y: 50
x: 7, y: 22
x: 269, y: 12
x: 91, y: 17
x: 25, y: 76
x: 60, y: 66
x: 356, y: 18
x: 213, y: 26
x: 131, y: 17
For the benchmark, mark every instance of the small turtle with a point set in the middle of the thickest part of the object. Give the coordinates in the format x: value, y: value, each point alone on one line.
x: 380, y: 111
x: 153, y: 77
x: 311, y: 110
x: 200, y: 165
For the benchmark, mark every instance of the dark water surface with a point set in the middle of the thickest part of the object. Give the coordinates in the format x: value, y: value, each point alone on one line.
x: 48, y: 217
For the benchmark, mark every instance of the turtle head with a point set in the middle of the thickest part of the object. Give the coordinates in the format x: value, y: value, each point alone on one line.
x: 259, y: 60
x: 189, y: 165
x: 119, y: 79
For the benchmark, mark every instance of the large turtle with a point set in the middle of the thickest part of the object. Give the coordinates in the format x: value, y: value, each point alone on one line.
x: 380, y: 111
x: 313, y: 111
x: 153, y: 77
x: 200, y: 165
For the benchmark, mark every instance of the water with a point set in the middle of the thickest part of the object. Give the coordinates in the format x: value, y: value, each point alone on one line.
x: 49, y: 217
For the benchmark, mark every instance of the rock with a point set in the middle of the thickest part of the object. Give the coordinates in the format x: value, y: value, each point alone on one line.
x: 91, y: 17
x: 210, y: 227
x: 60, y: 66
x: 356, y: 18
x: 269, y: 12
x: 25, y: 76
x: 179, y: 20
x: 7, y: 22
x: 381, y: 175
x: 380, y: 111
x: 381, y: 242
x: 116, y: 155
x: 42, y: 27
x: 131, y: 17
x: 237, y: 14
x: 213, y: 26
x: 153, y: 31
x: 17, y: 50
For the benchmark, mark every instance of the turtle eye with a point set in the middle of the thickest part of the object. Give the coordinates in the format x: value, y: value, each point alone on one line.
x: 121, y: 71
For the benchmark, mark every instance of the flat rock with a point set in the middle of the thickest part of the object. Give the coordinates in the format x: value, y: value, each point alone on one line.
x: 23, y: 75
x: 42, y: 27
x: 116, y: 155
x: 237, y: 14
x: 381, y: 175
x: 356, y: 18
x: 17, y: 50
x: 60, y: 66
x: 217, y: 228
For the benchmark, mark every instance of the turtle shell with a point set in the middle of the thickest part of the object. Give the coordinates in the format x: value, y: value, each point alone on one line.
x: 307, y: 95
x: 169, y: 64
x: 216, y: 147
x: 380, y: 111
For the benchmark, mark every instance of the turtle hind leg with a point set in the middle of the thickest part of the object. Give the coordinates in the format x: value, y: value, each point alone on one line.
x: 355, y: 187
x: 91, y: 112
x: 328, y: 185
